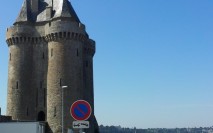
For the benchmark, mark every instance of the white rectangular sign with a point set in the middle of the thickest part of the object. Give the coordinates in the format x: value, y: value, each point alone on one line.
x: 80, y: 124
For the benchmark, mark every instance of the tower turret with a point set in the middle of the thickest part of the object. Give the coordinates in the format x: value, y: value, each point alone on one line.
x: 20, y: 103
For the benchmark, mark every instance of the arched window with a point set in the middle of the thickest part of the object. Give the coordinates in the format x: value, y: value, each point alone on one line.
x: 41, y: 116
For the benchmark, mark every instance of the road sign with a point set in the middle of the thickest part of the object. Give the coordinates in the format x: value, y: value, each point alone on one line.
x: 80, y: 124
x: 80, y: 110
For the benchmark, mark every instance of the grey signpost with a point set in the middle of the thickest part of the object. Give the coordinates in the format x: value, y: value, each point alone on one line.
x: 62, y: 107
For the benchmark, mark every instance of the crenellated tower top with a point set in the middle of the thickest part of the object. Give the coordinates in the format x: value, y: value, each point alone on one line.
x: 46, y: 10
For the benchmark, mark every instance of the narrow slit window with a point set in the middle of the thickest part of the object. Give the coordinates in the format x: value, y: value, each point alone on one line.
x: 54, y: 111
x: 17, y: 85
x: 44, y: 97
x: 43, y: 55
x: 51, y: 52
x: 10, y: 56
x: 37, y: 98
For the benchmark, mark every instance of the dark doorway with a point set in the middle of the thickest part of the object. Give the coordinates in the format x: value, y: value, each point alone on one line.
x: 41, y: 116
x: 96, y: 131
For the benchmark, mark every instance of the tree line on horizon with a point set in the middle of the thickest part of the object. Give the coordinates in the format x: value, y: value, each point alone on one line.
x: 119, y: 129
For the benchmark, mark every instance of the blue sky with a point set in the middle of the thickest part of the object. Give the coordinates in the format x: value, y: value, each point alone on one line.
x: 154, y: 62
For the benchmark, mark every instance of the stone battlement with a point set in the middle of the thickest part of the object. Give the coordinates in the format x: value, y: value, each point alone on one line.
x: 25, y: 40
x: 48, y: 38
x: 65, y: 36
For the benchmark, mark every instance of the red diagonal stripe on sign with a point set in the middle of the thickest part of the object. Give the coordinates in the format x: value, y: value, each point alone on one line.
x: 79, y: 109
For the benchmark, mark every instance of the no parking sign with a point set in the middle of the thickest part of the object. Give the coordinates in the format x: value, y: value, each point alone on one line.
x: 80, y: 110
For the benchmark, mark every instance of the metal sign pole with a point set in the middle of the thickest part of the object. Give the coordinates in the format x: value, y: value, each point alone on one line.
x: 81, y: 130
x: 62, y: 107
x: 70, y: 131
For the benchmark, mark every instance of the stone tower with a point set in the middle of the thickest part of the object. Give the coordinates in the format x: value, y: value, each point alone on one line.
x: 49, y: 48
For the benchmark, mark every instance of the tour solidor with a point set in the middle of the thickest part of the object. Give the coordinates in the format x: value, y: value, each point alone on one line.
x: 48, y: 49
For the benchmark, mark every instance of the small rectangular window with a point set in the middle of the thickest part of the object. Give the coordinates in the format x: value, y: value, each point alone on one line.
x: 16, y: 84
x: 37, y: 97
x: 54, y: 111
x: 10, y: 56
x: 44, y: 97
x: 51, y: 53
